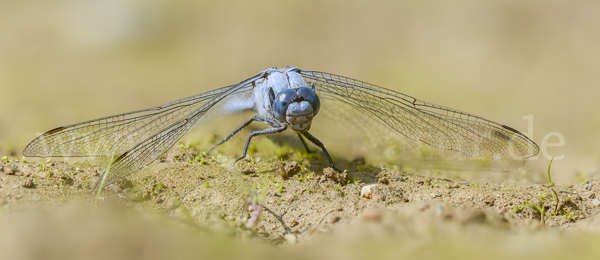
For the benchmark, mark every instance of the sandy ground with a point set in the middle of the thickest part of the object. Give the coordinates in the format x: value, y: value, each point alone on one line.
x: 532, y: 65
x: 190, y: 205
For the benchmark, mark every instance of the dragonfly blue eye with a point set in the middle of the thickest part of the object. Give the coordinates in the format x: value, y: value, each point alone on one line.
x: 281, y: 103
x: 312, y: 98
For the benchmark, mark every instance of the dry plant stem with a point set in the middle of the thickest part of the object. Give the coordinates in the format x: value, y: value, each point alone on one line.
x: 287, y: 229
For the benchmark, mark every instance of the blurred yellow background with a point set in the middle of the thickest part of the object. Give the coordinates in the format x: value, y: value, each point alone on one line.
x: 66, y: 61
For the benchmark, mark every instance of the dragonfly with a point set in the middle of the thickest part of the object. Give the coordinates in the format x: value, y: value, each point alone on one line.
x: 288, y: 98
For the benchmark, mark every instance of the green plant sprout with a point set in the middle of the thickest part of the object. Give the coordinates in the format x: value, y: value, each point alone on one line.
x: 338, y: 188
x: 550, y: 164
x: 554, y: 195
x: 280, y: 187
x: 112, y: 159
x: 528, y: 204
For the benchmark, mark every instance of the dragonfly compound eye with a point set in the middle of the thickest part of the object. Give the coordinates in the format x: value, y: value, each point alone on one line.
x: 281, y: 103
x: 312, y: 98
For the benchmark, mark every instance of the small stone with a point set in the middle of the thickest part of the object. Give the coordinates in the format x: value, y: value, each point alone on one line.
x: 595, y: 202
x: 290, y: 238
x: 294, y: 223
x: 76, y: 186
x: 367, y: 191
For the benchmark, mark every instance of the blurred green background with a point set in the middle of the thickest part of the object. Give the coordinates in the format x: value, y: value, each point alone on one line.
x: 65, y: 61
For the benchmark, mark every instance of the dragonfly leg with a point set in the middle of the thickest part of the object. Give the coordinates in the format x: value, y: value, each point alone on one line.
x: 304, y: 143
x: 260, y: 132
x: 318, y: 143
x: 256, y: 118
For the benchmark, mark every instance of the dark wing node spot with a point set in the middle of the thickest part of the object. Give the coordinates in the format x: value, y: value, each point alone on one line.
x: 55, y: 130
x: 121, y: 157
x: 510, y: 129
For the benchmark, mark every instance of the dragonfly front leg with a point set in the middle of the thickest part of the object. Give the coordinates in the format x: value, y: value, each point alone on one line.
x: 318, y: 143
x: 304, y: 143
x: 260, y: 132
x: 255, y: 118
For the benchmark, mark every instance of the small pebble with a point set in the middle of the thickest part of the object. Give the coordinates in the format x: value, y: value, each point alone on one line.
x: 596, y: 202
x: 294, y: 223
x: 290, y: 238
x: 367, y: 191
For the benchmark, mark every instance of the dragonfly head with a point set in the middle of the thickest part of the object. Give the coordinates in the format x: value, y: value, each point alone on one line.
x: 297, y: 107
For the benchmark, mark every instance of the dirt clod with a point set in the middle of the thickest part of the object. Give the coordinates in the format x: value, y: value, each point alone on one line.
x: 248, y: 170
x: 28, y: 183
x: 290, y: 170
x: 9, y: 171
x: 331, y: 175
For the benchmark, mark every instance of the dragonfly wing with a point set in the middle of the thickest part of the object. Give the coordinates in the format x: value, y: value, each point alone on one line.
x: 432, y: 124
x: 138, y: 138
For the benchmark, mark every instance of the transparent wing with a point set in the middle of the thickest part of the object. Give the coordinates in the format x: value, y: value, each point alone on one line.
x: 137, y: 138
x: 432, y: 124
